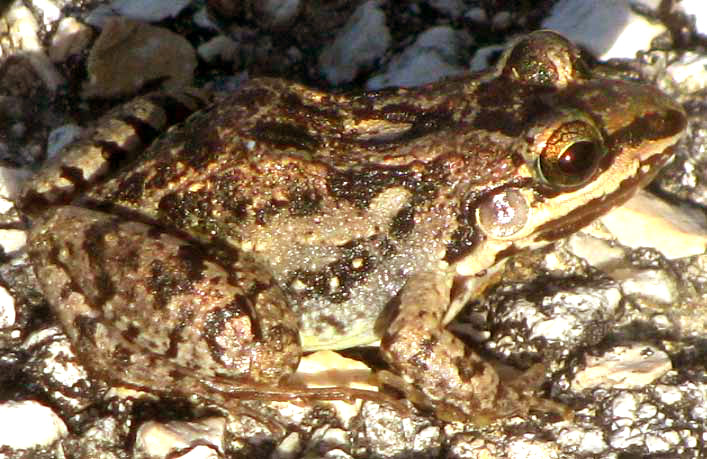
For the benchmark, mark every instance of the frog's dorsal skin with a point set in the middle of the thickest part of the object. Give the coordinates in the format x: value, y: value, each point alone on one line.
x: 285, y: 218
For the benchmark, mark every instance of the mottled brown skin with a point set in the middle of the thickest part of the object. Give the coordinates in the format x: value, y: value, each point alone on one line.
x: 284, y: 218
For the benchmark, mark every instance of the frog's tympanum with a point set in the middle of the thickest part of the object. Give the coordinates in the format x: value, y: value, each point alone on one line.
x: 284, y: 219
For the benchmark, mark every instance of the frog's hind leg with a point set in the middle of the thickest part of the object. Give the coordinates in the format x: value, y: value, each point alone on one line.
x: 150, y: 310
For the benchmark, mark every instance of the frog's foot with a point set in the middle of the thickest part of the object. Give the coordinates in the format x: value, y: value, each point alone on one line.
x: 438, y: 370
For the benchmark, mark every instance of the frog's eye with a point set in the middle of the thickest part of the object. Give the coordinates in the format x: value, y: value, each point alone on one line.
x: 571, y: 155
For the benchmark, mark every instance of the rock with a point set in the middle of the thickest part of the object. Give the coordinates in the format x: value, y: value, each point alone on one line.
x: 161, y: 440
x: 330, y: 369
x: 11, y: 180
x: 148, y: 10
x: 275, y: 14
x: 622, y: 368
x: 129, y: 54
x: 61, y: 137
x: 696, y: 8
x: 220, y: 47
x: 12, y: 240
x: 71, y: 37
x: 654, y: 284
x: 690, y: 71
x: 364, y: 39
x: 451, y: 8
x: 648, y: 221
x: 22, y: 34
x: 608, y: 28
x: 7, y: 309
x: 29, y: 424
x: 434, y: 55
x: 48, y: 10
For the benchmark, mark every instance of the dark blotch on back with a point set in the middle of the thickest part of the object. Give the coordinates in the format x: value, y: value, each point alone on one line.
x: 304, y: 202
x: 284, y: 135
x: 317, y: 282
x: 166, y: 281
x: 403, y: 222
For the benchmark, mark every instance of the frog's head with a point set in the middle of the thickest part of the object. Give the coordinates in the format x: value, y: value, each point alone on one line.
x: 589, y: 146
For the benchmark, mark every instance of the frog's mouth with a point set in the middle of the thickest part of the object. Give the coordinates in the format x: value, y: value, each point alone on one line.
x: 650, y: 164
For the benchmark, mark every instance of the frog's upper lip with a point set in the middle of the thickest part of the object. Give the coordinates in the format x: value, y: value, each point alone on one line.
x: 590, y: 211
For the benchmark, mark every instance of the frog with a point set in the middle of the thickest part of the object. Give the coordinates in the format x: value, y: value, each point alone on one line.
x: 205, y: 258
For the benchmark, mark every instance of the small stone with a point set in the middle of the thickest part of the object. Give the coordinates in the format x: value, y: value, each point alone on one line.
x: 452, y: 8
x: 331, y: 369
x: 12, y: 240
x: 289, y: 447
x: 502, y: 20
x: 647, y: 221
x: 7, y: 308
x: 696, y: 9
x: 29, y: 424
x: 622, y: 368
x: 689, y: 72
x: 220, y: 47
x: 48, y: 10
x: 155, y: 439
x: 129, y: 54
x: 597, y: 251
x: 61, y: 137
x: 533, y: 449
x: 71, y: 37
x: 483, y: 57
x: 654, y: 284
x: 477, y: 15
x: 274, y: 14
x: 608, y: 28
x: 148, y: 10
x: 364, y: 39
x: 11, y: 181
x: 434, y: 55
x: 23, y: 33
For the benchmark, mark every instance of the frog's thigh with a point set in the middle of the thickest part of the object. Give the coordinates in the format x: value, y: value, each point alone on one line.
x: 144, y: 307
x: 436, y: 362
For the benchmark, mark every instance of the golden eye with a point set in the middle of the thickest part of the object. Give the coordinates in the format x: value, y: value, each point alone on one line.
x: 571, y: 155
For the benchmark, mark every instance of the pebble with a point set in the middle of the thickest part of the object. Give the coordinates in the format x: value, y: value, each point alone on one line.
x: 12, y: 240
x: 148, y: 10
x: 608, y: 28
x: 648, y: 221
x: 690, y: 71
x: 331, y: 369
x: 29, y: 424
x: 623, y: 367
x: 655, y: 284
x: 697, y: 9
x: 11, y: 180
x: 364, y: 39
x: 129, y: 54
x: 71, y: 38
x: 48, y: 10
x: 160, y: 440
x: 23, y: 33
x: 451, y: 8
x: 7, y: 308
x: 220, y: 47
x: 433, y: 56
x: 60, y: 137
x: 274, y: 14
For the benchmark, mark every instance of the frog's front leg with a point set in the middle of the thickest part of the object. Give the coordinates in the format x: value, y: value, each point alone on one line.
x: 453, y: 379
x: 154, y: 311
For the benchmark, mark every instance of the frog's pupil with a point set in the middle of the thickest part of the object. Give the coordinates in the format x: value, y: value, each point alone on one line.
x: 579, y: 159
